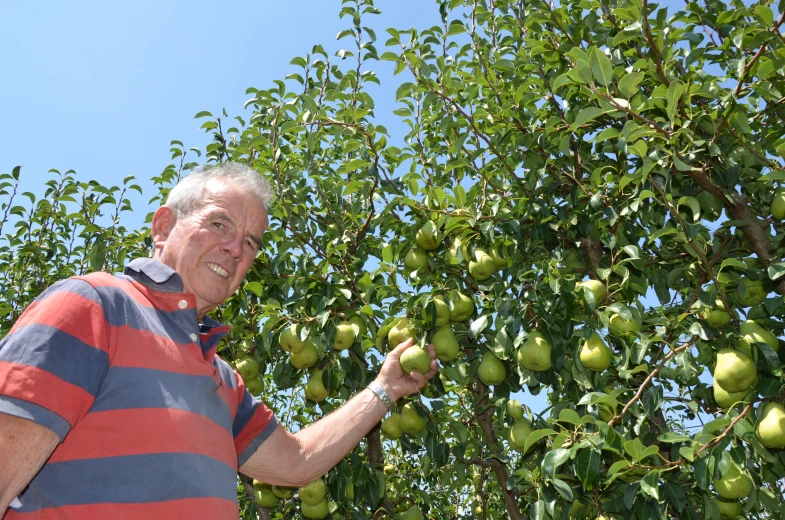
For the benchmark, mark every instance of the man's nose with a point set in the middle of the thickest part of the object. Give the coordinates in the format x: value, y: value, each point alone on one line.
x: 234, y: 246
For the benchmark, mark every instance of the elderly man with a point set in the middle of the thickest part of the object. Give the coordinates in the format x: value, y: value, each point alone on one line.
x: 113, y: 403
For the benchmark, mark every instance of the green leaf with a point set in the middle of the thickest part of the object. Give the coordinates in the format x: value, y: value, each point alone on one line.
x: 628, y: 84
x: 98, y: 254
x: 478, y: 325
x: 553, y: 460
x: 254, y: 287
x: 203, y: 113
x: 739, y: 121
x: 675, y: 91
x: 403, y: 91
x: 535, y: 437
x: 778, y: 175
x: 563, y: 489
x: 673, y: 437
x: 569, y: 416
x: 649, y: 484
x: 587, y: 466
x: 586, y: 115
x: 601, y: 67
x: 776, y: 270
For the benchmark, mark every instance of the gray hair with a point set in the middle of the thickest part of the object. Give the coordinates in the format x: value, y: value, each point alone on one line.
x: 186, y: 197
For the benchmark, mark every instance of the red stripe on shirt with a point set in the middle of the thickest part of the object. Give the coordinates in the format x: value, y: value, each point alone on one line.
x: 44, y: 389
x: 192, y: 508
x: 144, y: 431
x: 89, y: 329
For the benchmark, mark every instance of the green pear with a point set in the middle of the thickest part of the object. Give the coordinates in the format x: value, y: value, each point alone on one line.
x: 462, y: 307
x: 483, y: 266
x: 317, y: 512
x: 596, y: 287
x: 344, y: 335
x: 313, y: 492
x: 442, y: 311
x: 752, y: 333
x: 416, y: 258
x: 717, y: 316
x: 729, y: 509
x: 307, y: 357
x: 263, y: 495
x: 535, y: 353
x: 415, y: 359
x: 358, y: 321
x: 519, y: 432
x: 389, y: 469
x: 727, y: 399
x: 750, y: 293
x: 391, y: 427
x: 429, y: 237
x: 411, y: 421
x: 400, y: 332
x: 499, y: 254
x: 619, y: 325
x: 445, y: 344
x: 247, y: 367
x: 734, y: 484
x: 290, y: 341
x: 254, y: 386
x: 283, y: 492
x: 771, y: 426
x: 491, y: 371
x: 778, y: 205
x: 350, y: 490
x: 595, y: 354
x: 711, y: 206
x: 734, y: 371
x: 514, y: 409
x: 413, y: 513
x: 314, y: 388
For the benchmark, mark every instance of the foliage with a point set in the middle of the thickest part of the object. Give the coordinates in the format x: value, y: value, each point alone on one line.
x: 614, y: 141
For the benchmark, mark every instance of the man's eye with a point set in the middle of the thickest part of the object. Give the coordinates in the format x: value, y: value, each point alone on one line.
x: 218, y: 225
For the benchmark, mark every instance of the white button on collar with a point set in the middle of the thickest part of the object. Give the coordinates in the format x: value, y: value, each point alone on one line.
x: 193, y: 337
x: 182, y: 304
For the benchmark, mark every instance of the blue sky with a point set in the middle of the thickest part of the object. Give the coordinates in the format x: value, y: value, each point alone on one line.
x: 103, y: 87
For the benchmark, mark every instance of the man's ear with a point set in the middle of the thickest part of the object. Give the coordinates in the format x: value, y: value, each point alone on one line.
x: 163, y: 223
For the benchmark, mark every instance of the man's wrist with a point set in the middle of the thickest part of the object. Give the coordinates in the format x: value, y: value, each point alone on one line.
x: 383, y: 393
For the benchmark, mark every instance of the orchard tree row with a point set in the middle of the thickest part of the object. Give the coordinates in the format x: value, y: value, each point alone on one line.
x: 585, y: 208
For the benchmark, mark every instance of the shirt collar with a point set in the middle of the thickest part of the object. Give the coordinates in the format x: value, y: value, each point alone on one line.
x: 154, y: 274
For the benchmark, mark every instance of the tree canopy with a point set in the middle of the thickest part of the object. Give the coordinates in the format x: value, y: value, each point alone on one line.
x: 599, y: 179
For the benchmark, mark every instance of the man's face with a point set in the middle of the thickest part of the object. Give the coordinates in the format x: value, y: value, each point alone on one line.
x: 212, y: 248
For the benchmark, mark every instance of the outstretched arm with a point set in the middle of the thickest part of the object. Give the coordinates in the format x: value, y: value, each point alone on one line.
x: 294, y: 459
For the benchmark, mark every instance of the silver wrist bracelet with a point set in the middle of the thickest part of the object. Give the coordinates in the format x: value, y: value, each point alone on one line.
x: 381, y: 393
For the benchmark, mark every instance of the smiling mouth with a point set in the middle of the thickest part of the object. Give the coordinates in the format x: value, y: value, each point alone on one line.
x: 217, y: 269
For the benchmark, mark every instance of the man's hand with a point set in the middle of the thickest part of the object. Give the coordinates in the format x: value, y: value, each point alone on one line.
x: 395, y: 381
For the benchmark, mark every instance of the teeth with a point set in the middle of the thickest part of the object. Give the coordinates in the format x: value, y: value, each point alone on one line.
x: 218, y: 269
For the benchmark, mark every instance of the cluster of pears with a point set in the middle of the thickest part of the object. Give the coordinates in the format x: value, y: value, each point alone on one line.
x: 313, y: 500
x: 410, y: 420
x: 302, y: 353
x: 520, y: 428
x: 313, y: 497
x: 249, y: 370
x: 735, y: 374
x: 428, y: 238
x: 417, y: 359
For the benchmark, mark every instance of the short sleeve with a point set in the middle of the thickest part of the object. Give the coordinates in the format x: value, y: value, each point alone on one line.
x: 54, y: 359
x: 253, y: 423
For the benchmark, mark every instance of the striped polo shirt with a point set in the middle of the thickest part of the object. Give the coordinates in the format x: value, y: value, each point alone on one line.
x: 152, y: 423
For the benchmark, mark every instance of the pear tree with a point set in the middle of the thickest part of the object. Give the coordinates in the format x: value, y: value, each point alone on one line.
x: 579, y: 203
